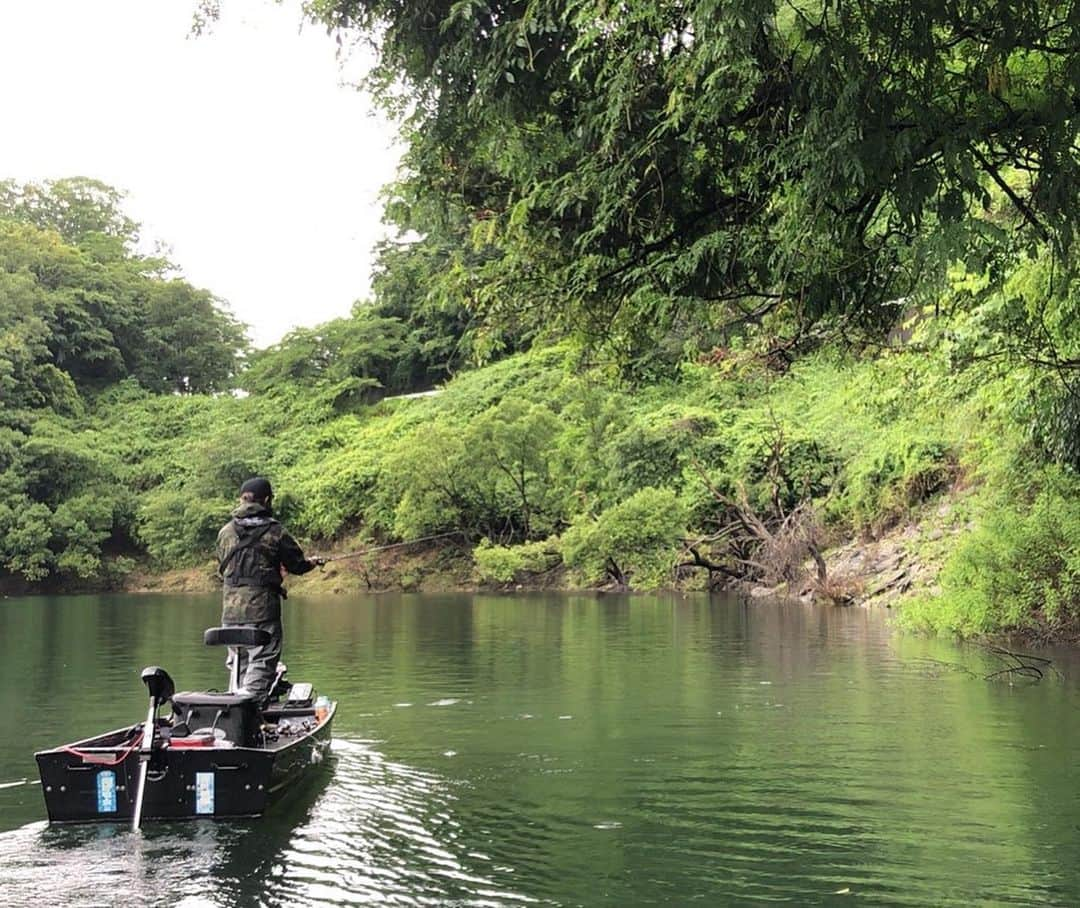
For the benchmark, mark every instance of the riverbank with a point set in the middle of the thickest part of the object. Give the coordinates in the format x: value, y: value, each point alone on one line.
x: 899, y: 569
x: 900, y: 565
x: 921, y: 485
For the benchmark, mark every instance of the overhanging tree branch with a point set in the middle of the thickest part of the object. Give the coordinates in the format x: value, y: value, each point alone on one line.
x: 1018, y: 203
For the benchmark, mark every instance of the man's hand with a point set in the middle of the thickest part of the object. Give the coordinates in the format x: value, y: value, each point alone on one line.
x: 318, y: 560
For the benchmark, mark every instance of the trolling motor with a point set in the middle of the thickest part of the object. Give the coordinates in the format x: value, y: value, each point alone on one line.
x: 161, y: 689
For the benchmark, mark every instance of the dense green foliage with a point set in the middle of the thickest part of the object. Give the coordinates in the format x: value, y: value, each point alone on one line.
x: 670, y: 172
x: 1020, y: 568
x: 748, y: 278
x: 85, y: 320
x: 106, y: 358
x: 550, y: 459
x: 638, y: 537
x: 84, y: 309
x: 542, y: 459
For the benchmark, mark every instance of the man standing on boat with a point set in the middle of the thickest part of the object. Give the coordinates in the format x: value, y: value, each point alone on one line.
x: 254, y: 554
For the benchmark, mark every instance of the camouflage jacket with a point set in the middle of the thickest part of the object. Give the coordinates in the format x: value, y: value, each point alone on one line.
x: 252, y: 550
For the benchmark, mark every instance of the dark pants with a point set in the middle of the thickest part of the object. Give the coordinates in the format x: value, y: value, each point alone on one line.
x: 258, y: 664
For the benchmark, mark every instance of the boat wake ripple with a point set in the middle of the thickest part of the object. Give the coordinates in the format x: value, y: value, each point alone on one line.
x: 368, y: 831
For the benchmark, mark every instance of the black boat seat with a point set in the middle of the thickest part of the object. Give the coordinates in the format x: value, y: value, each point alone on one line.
x: 234, y: 716
x: 236, y: 635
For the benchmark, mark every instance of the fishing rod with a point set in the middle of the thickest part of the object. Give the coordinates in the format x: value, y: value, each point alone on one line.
x: 395, y: 545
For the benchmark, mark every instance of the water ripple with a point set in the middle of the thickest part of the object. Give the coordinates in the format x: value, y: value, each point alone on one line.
x: 575, y: 751
x: 383, y: 832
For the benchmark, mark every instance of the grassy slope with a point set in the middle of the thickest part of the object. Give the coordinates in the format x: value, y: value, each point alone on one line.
x: 914, y: 466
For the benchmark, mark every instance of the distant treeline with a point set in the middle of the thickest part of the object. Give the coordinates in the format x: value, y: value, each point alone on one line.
x: 89, y: 323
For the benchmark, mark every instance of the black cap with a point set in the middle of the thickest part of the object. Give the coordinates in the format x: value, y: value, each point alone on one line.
x: 258, y: 488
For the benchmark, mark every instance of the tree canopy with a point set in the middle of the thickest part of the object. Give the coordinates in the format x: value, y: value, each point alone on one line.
x: 83, y: 309
x: 650, y: 164
x: 87, y: 321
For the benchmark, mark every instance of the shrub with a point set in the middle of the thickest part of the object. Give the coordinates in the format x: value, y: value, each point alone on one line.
x: 1019, y: 569
x: 177, y: 527
x: 654, y: 447
x: 25, y: 531
x: 506, y: 563
x: 636, y: 540
x: 900, y: 467
x: 777, y: 464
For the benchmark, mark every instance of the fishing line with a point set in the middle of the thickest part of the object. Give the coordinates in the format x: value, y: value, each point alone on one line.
x: 395, y: 545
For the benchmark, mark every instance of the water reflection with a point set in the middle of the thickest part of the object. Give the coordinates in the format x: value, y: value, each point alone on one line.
x: 572, y: 751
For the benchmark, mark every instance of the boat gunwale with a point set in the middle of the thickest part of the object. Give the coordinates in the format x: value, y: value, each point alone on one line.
x: 87, y: 744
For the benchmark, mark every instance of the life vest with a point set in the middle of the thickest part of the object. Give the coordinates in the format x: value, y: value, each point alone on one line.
x: 252, y: 561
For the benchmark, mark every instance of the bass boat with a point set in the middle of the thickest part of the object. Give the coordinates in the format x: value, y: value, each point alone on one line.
x: 218, y: 754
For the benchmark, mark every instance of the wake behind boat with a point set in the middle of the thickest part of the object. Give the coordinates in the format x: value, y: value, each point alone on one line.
x: 217, y: 754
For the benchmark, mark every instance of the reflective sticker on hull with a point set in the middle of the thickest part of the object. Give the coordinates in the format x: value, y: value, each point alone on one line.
x: 204, y: 792
x: 106, y: 791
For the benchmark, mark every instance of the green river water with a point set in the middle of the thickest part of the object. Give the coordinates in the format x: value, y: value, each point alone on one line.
x: 560, y: 750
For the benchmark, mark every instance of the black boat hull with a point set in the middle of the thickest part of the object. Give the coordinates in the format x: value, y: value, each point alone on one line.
x: 96, y: 780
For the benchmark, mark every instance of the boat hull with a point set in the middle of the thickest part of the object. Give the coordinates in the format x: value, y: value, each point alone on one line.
x: 92, y: 781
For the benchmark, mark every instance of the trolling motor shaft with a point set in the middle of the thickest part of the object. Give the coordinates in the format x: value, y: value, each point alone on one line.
x: 161, y: 689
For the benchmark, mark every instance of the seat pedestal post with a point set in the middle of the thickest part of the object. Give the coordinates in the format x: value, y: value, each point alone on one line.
x: 236, y: 637
x: 234, y: 673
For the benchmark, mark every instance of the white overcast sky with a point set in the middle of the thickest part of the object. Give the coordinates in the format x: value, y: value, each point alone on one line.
x: 242, y: 150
